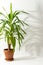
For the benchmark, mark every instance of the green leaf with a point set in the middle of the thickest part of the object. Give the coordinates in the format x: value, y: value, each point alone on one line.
x: 24, y: 12
x: 3, y: 15
x: 14, y: 44
x: 21, y: 35
x: 11, y: 11
x: 19, y: 20
x: 19, y: 42
x: 23, y: 31
x: 15, y: 13
x: 25, y: 23
x: 6, y: 34
x: 7, y: 39
x: 22, y: 22
x: 1, y: 22
x: 5, y: 11
x: 18, y: 12
x: 13, y: 40
x: 11, y: 8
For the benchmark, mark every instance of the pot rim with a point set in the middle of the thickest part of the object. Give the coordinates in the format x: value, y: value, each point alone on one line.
x: 7, y: 49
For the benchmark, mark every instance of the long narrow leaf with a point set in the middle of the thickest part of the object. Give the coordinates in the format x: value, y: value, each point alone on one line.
x: 3, y: 15
x: 19, y: 20
x: 11, y: 11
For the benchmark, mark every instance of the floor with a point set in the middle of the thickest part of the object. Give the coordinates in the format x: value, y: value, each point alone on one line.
x: 21, y: 59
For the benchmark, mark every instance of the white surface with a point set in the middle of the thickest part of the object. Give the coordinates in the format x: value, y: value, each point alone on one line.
x: 23, y: 60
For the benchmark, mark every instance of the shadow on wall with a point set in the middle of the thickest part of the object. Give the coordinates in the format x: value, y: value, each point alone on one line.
x: 34, y: 39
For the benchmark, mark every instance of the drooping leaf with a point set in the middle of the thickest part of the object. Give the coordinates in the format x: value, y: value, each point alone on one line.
x: 3, y: 15
x: 19, y: 20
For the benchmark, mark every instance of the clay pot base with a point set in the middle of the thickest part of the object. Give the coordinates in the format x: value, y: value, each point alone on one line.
x: 12, y: 59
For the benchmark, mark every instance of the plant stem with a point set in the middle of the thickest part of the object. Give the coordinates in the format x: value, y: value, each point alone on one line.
x: 9, y: 46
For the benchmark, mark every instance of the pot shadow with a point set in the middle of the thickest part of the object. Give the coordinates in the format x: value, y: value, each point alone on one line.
x: 24, y: 58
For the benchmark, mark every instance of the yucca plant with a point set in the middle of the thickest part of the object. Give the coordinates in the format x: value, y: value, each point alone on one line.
x: 12, y: 27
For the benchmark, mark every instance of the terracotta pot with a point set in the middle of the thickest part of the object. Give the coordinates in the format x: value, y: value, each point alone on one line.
x: 9, y: 54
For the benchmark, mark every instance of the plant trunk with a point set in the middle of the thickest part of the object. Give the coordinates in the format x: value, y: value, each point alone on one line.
x: 9, y: 46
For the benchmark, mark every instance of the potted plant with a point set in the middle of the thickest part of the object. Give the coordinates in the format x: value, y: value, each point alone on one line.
x: 12, y: 28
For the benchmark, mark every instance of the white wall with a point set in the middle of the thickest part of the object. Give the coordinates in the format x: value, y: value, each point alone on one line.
x: 34, y: 38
